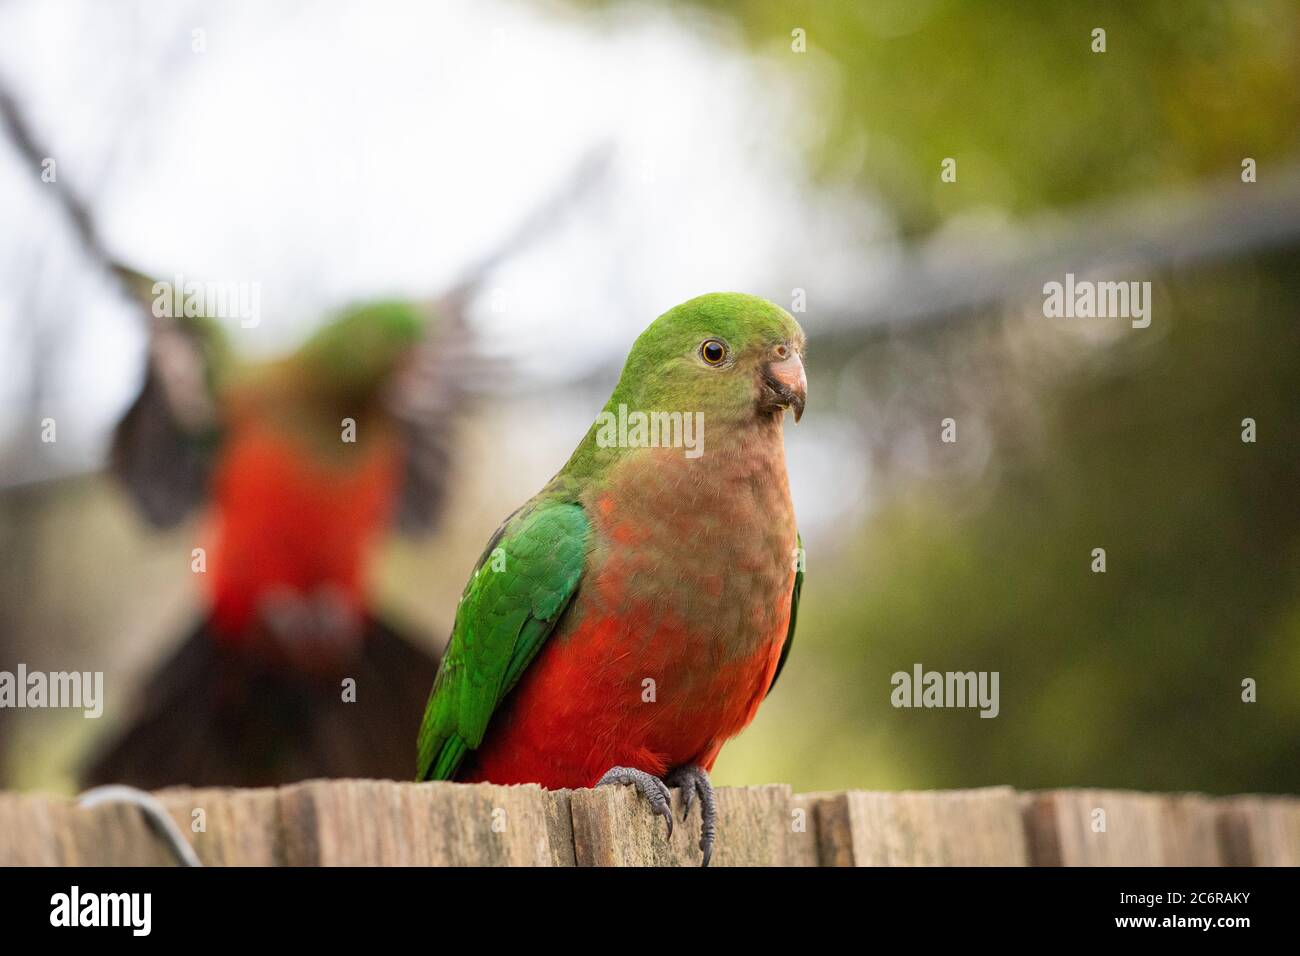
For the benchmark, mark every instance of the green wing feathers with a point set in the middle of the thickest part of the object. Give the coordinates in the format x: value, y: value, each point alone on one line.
x: 523, y: 582
x: 794, y: 612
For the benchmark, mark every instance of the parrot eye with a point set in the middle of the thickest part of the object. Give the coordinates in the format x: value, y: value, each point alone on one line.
x: 713, y: 352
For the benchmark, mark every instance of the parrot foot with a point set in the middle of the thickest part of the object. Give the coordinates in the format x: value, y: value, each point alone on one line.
x: 695, y: 780
x: 649, y: 786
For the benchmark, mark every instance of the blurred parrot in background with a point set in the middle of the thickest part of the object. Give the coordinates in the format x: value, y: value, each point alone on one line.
x: 631, y: 617
x: 254, y: 695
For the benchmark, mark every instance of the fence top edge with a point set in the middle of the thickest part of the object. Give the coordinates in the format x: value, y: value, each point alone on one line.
x: 181, y: 792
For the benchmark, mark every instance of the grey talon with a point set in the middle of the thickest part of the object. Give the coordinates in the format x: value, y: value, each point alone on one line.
x: 695, y: 780
x: 649, y: 786
x: 688, y: 798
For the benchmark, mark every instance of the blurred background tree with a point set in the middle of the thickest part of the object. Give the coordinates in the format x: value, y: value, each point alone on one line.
x: 1016, y: 93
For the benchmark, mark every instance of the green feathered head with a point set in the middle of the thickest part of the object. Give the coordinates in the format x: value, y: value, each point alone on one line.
x: 363, y: 345
x: 727, y: 354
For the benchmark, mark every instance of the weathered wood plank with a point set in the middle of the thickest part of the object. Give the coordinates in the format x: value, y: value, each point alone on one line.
x: 802, y: 844
x: 54, y: 831
x: 30, y: 829
x: 238, y: 827
x: 110, y: 835
x: 950, y: 828
x: 613, y: 827
x: 1260, y: 831
x: 372, y: 823
x: 1120, y: 828
x: 367, y: 822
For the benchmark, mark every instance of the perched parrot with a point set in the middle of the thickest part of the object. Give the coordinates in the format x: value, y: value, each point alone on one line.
x: 630, y: 618
x: 254, y: 696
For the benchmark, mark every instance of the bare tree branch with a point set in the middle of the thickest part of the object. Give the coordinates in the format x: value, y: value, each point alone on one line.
x: 74, y: 206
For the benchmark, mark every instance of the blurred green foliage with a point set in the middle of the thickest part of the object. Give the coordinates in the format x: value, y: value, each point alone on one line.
x: 1131, y: 678
x: 1013, y: 91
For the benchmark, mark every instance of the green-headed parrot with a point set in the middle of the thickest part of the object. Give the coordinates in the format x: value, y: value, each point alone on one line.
x: 631, y: 617
x: 296, y: 500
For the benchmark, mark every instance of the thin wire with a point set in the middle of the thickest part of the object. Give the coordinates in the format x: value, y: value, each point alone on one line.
x: 155, y: 814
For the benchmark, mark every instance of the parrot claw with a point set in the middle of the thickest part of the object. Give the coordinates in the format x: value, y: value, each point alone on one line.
x: 649, y: 786
x: 695, y: 780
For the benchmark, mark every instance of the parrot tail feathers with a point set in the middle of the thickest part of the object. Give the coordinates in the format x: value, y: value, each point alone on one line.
x: 214, y: 714
x: 449, y: 759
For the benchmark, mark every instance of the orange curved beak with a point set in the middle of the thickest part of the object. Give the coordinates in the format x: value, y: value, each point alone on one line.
x: 788, y: 380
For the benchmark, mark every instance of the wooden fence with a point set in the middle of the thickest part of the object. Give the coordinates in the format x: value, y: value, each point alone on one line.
x: 367, y: 822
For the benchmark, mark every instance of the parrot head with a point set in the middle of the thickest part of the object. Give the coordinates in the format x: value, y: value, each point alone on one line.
x: 363, y: 345
x: 734, y: 356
